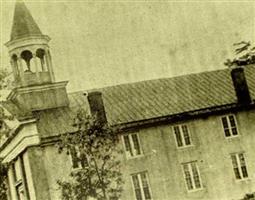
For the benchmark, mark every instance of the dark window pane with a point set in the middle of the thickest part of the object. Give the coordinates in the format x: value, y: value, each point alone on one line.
x: 84, y: 160
x: 135, y: 181
x: 234, y: 131
x: 234, y: 161
x: 243, y: 165
x: 225, y: 126
x: 145, y: 184
x: 242, y: 160
x: 233, y: 125
x: 144, y: 179
x: 178, y: 136
x: 14, y: 173
x: 138, y: 192
x: 136, y: 144
x: 74, y: 157
x: 232, y: 121
x: 237, y: 173
x: 224, y: 122
x: 127, y: 144
x: 244, y: 171
x: 195, y: 175
x: 186, y: 135
x: 227, y: 133
x: 187, y: 177
x: 147, y: 193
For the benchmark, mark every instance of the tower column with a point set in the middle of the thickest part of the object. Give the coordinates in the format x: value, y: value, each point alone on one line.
x: 36, y: 69
x: 21, y: 70
x: 14, y: 68
x: 43, y: 63
x: 49, y: 65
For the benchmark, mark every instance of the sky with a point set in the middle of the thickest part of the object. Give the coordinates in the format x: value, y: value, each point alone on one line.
x: 100, y: 43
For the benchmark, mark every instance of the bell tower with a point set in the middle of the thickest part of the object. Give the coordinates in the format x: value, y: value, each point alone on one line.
x: 35, y: 86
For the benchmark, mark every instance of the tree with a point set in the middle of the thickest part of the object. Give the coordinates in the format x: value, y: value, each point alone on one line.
x: 249, y: 196
x: 95, y: 146
x: 245, y: 53
x: 3, y: 132
x: 3, y: 181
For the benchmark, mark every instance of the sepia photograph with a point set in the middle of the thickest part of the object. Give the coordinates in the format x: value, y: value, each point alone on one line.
x: 127, y: 100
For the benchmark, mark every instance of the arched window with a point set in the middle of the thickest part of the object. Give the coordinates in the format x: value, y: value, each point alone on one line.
x: 27, y: 56
x: 40, y: 53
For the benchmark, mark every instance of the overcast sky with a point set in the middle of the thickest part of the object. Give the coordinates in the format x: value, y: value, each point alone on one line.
x: 96, y: 44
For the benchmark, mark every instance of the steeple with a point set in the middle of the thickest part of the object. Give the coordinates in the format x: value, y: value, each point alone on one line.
x: 35, y: 86
x: 29, y: 50
x: 23, y: 23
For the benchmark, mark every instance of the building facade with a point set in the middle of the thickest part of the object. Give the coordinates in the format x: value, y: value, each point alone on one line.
x: 187, y: 137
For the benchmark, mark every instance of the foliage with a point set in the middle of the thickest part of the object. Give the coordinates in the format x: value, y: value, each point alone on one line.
x: 5, y: 81
x: 3, y: 168
x: 250, y: 196
x: 3, y: 182
x: 245, y: 53
x: 97, y: 145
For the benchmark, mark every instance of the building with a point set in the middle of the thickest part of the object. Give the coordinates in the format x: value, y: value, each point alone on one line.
x: 188, y: 137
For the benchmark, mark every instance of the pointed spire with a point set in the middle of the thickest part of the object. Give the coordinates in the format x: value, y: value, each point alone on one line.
x: 23, y: 23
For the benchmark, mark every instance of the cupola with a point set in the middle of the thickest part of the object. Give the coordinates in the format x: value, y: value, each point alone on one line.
x: 35, y: 86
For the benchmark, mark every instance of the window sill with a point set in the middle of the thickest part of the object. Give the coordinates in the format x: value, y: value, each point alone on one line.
x: 243, y: 180
x: 134, y: 157
x: 195, y: 190
x: 76, y: 170
x: 185, y: 147
x: 232, y: 137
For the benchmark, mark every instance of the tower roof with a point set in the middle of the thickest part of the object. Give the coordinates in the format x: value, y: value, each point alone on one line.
x: 23, y: 23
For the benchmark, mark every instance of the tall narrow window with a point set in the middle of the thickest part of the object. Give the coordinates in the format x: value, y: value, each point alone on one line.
x: 78, y: 160
x: 132, y: 145
x: 192, y: 176
x: 182, y: 135
x: 229, y: 125
x: 141, y: 186
x: 20, y: 179
x: 239, y: 166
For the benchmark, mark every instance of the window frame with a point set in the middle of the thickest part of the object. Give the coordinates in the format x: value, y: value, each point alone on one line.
x: 184, y: 145
x: 195, y: 189
x: 239, y: 166
x: 229, y: 126
x: 138, y: 174
x: 19, y: 183
x: 79, y: 162
x: 132, y: 146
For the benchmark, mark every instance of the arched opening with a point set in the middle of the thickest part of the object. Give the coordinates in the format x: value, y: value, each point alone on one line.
x: 27, y: 57
x: 40, y: 53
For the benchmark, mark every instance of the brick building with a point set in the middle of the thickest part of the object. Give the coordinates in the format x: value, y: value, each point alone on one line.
x: 187, y: 137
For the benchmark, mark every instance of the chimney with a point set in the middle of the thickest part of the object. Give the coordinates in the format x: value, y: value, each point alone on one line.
x: 240, y: 85
x: 96, y: 106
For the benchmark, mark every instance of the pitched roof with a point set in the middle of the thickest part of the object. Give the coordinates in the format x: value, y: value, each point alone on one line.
x: 151, y: 99
x: 23, y: 23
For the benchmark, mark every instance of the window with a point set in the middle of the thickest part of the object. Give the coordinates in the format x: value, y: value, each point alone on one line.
x: 132, y: 145
x: 20, y: 192
x: 19, y: 179
x: 229, y: 125
x: 192, y: 176
x: 141, y: 186
x: 239, y: 166
x: 182, y: 135
x: 78, y: 160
